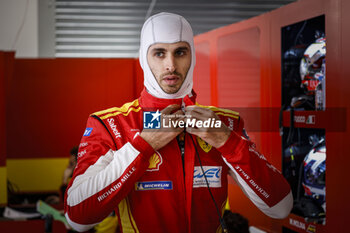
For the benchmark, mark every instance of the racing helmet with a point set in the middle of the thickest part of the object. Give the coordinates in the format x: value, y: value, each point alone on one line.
x: 314, y: 182
x: 312, y: 66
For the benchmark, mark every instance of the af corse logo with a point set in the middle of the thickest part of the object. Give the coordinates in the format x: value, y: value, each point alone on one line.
x: 151, y: 120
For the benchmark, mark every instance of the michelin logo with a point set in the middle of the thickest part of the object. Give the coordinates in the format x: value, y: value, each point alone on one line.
x: 151, y: 120
x: 154, y: 185
x: 212, y: 173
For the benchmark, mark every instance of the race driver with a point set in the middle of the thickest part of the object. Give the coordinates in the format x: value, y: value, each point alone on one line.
x: 173, y: 178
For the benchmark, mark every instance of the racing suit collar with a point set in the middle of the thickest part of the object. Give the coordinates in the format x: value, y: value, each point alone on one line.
x: 151, y: 102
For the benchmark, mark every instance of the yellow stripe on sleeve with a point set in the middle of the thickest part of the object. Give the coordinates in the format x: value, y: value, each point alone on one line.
x: 221, y: 111
x: 127, y: 221
x: 124, y: 113
x: 124, y: 108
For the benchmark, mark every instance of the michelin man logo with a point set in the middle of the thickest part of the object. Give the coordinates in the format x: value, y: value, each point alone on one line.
x: 151, y: 120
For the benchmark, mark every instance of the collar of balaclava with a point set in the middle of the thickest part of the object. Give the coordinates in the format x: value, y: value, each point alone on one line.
x: 165, y: 28
x: 151, y: 103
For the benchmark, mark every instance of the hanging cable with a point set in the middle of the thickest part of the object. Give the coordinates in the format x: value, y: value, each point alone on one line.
x: 221, y: 220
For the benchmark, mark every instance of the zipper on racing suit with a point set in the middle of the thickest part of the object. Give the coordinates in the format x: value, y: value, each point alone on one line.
x: 181, y: 142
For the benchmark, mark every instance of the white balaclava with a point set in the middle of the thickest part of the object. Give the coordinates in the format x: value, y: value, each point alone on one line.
x: 165, y: 28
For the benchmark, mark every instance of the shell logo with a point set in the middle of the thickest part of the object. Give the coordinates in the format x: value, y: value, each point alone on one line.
x: 154, y: 162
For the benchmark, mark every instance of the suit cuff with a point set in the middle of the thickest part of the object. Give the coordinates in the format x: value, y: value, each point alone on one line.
x: 143, y: 147
x: 233, y: 144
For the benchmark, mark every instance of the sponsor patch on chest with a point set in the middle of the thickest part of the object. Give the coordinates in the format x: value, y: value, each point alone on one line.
x: 87, y: 132
x: 154, y: 162
x: 154, y: 185
x: 204, y: 145
x: 212, y: 173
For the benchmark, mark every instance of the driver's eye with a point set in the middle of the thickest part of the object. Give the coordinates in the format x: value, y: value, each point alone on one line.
x: 159, y: 54
x: 180, y: 52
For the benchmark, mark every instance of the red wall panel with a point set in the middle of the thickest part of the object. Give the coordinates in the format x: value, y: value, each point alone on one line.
x: 2, y: 111
x: 238, y: 75
x: 201, y: 73
x: 239, y: 69
x: 6, y: 70
x: 50, y: 100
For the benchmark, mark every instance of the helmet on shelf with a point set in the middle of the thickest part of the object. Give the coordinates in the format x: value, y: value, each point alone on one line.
x: 314, y: 182
x: 312, y: 66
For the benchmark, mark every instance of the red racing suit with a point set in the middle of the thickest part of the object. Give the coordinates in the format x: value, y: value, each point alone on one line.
x: 159, y: 191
